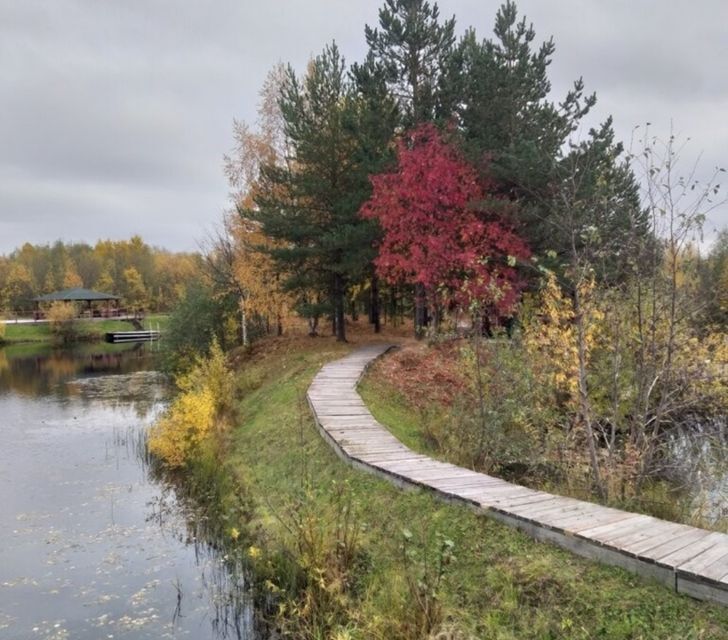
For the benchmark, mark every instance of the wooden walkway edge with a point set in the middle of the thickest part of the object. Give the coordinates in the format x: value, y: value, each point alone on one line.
x: 686, y: 559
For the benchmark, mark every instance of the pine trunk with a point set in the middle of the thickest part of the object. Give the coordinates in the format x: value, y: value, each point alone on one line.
x: 339, y: 322
x: 374, y: 306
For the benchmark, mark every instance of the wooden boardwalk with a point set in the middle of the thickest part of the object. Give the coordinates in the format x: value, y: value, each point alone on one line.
x: 689, y: 560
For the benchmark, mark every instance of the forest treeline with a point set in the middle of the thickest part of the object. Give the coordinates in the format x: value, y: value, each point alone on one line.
x: 439, y: 179
x: 144, y: 277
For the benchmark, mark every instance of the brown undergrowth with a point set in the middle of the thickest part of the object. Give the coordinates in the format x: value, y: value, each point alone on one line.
x: 424, y: 374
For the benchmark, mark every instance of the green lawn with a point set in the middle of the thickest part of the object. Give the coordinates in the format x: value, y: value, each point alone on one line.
x: 500, y: 585
x: 93, y: 329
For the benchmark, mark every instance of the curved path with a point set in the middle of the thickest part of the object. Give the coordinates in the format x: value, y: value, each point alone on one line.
x: 689, y: 560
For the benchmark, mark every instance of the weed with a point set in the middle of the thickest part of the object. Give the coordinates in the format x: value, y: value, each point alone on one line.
x: 425, y: 570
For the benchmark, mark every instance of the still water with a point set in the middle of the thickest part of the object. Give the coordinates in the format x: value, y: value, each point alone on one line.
x: 91, y: 546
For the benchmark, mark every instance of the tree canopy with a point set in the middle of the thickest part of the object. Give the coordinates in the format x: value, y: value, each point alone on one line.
x: 331, y: 137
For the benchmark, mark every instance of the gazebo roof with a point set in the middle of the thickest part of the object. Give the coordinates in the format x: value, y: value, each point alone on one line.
x: 75, y: 295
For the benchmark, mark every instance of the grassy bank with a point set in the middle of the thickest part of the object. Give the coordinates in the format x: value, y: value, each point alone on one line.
x: 345, y: 555
x: 89, y: 330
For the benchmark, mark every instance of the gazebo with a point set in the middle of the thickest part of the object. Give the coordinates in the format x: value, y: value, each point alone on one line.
x: 78, y: 295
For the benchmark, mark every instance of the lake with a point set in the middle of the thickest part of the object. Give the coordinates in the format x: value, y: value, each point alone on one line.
x: 92, y: 545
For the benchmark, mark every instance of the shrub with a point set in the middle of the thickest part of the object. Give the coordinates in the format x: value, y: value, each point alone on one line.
x: 204, y: 404
x: 62, y: 319
x: 198, y: 320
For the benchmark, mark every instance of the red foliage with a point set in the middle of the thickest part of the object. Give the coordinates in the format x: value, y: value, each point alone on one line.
x: 437, y: 230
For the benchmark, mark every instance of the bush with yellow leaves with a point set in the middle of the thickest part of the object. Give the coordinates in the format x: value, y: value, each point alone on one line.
x: 62, y: 319
x: 551, y: 339
x: 203, y: 406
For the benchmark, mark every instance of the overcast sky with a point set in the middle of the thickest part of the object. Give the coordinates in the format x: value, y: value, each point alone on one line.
x: 115, y: 114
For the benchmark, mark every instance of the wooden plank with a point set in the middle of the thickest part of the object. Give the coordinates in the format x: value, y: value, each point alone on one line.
x: 481, y: 481
x: 659, y: 530
x: 533, y: 511
x: 711, y: 563
x: 410, y: 457
x: 639, y: 547
x: 535, y: 498
x: 584, y: 515
x: 605, y: 532
x: 611, y: 517
x: 490, y: 497
x: 355, y: 446
x: 702, y: 591
x: 405, y: 467
x: 665, y: 549
x: 685, y: 554
x: 431, y: 475
x: 381, y: 459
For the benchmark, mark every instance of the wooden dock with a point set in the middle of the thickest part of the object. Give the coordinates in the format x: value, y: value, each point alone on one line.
x: 132, y: 336
x: 689, y: 560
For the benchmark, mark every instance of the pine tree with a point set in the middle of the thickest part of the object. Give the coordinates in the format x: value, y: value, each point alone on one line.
x: 511, y: 128
x: 310, y: 203
x: 411, y: 48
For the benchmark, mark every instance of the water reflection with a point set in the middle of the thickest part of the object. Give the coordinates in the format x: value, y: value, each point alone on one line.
x: 41, y: 370
x: 698, y: 460
x: 90, y: 545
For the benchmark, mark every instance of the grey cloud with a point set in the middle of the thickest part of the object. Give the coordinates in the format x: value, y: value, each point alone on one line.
x: 114, y: 117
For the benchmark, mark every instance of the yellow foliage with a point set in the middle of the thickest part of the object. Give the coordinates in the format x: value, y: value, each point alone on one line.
x: 2, y: 329
x: 722, y: 292
x: 551, y: 339
x: 703, y: 364
x: 256, y: 272
x: 60, y: 312
x: 205, y: 398
x: 71, y: 279
x: 190, y: 418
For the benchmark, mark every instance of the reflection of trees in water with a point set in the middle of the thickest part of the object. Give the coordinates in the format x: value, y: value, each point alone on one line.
x: 697, y: 461
x: 144, y: 392
x: 191, y: 515
x: 223, y: 572
x: 38, y: 372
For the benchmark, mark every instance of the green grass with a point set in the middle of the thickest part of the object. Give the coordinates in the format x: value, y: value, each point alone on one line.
x: 502, y: 584
x: 91, y: 329
x: 388, y: 406
x: 27, y: 333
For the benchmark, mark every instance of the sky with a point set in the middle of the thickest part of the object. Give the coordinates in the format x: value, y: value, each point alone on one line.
x: 115, y: 115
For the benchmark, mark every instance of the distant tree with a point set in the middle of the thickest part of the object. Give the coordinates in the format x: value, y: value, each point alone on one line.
x: 19, y: 287
x: 714, y: 282
x: 441, y: 231
x: 71, y: 279
x: 102, y: 267
x: 134, y: 291
x: 105, y: 283
x: 172, y: 273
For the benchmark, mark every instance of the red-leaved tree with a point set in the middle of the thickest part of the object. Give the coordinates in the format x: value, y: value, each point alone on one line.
x: 441, y: 228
